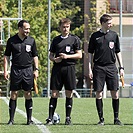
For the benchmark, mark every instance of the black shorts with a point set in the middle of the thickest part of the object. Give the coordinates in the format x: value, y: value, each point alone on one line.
x: 63, y: 75
x: 21, y: 79
x: 108, y: 74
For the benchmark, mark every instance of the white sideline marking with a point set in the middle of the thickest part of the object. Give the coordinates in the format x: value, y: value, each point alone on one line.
x: 39, y: 124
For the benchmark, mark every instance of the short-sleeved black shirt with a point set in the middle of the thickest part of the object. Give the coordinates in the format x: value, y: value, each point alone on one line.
x: 67, y: 45
x: 22, y: 51
x: 104, y: 46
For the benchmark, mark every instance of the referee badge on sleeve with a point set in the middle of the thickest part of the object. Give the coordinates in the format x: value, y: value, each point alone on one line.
x: 68, y: 48
x: 28, y: 48
x: 111, y: 45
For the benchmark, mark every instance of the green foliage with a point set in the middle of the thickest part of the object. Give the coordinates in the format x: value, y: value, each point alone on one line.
x: 36, y: 12
x: 107, y: 6
x: 92, y: 26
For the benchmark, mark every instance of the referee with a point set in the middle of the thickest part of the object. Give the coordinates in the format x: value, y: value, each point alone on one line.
x: 64, y: 50
x: 104, y: 46
x: 23, y: 50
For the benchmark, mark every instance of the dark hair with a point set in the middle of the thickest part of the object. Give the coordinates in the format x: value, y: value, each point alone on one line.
x: 104, y: 18
x: 64, y: 20
x: 21, y: 22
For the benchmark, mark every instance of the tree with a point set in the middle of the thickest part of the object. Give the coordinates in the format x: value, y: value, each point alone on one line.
x: 36, y: 12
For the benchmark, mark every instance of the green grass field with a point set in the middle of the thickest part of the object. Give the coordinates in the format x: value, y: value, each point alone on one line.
x: 84, y: 117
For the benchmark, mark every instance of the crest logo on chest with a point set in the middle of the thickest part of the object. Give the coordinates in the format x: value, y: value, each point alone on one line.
x: 68, y: 48
x: 111, y: 45
x: 28, y: 48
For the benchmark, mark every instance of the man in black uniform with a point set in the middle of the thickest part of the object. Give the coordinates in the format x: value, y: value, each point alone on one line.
x: 23, y: 49
x: 64, y: 50
x: 104, y: 44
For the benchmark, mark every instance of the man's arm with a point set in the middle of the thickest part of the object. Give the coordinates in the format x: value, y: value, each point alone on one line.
x: 119, y: 58
x: 52, y: 58
x: 6, y: 61
x: 36, y: 66
x: 90, y: 67
x: 77, y: 55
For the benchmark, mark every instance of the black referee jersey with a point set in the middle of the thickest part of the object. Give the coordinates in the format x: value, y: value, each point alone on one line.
x: 104, y: 46
x: 67, y: 45
x: 22, y: 51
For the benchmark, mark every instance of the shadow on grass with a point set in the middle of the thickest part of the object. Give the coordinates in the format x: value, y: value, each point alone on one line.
x: 125, y: 124
x: 22, y: 124
x: 81, y: 124
x: 74, y: 124
x: 13, y: 124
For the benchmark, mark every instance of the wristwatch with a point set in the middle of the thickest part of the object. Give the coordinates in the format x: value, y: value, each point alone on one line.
x: 121, y: 68
x: 36, y: 69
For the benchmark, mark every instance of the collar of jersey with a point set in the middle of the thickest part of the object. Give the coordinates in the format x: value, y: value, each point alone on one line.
x: 64, y: 37
x: 103, y: 32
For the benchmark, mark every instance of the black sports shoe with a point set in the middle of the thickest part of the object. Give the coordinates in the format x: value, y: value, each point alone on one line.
x: 118, y: 122
x: 101, y: 122
x: 10, y: 122
x: 68, y: 121
x: 49, y: 122
x: 30, y: 122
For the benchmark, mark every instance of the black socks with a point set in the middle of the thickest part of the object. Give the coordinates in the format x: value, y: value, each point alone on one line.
x: 69, y: 102
x: 115, y: 105
x: 28, y: 106
x: 12, y: 108
x: 52, y: 107
x: 99, y: 105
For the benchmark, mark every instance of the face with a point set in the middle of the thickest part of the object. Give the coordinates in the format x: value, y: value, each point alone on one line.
x: 25, y: 30
x: 107, y: 25
x: 65, y: 29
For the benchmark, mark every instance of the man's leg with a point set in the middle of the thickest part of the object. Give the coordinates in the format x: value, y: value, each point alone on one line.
x: 12, y: 106
x: 115, y: 105
x: 68, y: 105
x: 28, y: 106
x: 52, y: 106
x: 99, y: 105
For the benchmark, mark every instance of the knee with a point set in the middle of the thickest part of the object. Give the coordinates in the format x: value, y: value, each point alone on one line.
x: 55, y: 94
x: 114, y: 94
x: 99, y: 95
x: 14, y: 95
x: 69, y: 94
x: 27, y: 95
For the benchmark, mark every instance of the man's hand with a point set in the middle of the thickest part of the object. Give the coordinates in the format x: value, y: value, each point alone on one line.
x: 57, y: 59
x: 6, y: 75
x: 90, y: 75
x: 36, y: 74
x: 63, y: 56
x: 121, y: 72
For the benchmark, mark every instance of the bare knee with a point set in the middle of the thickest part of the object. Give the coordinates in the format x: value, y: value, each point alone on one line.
x: 27, y: 94
x: 99, y: 94
x: 14, y: 95
x: 114, y: 94
x: 55, y: 94
x: 69, y: 93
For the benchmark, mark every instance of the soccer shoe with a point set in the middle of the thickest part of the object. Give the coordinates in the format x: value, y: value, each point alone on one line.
x: 68, y: 121
x: 101, y: 122
x: 117, y: 122
x: 30, y: 122
x: 10, y: 122
x: 49, y: 122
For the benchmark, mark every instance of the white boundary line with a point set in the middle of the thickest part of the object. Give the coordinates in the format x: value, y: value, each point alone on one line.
x: 39, y: 124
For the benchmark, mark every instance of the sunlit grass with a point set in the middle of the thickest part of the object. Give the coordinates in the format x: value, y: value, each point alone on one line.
x: 84, y: 116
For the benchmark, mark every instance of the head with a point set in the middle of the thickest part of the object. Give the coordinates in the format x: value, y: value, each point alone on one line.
x: 106, y: 21
x: 24, y: 28
x: 64, y: 25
